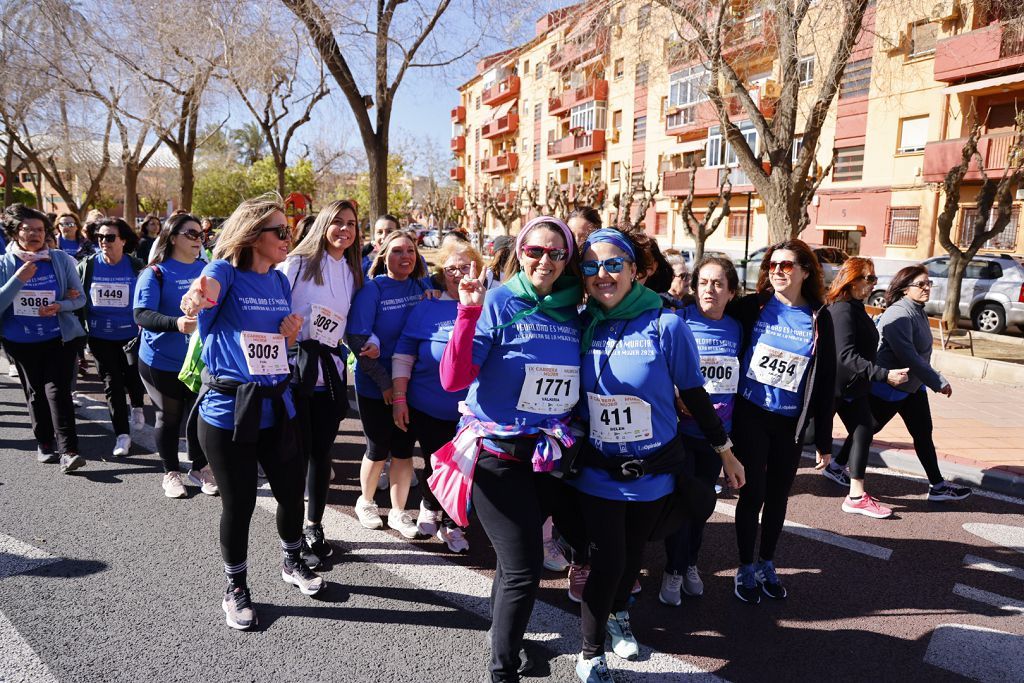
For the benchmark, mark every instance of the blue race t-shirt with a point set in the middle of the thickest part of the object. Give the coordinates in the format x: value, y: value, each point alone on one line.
x: 630, y: 375
x: 22, y: 322
x: 70, y: 247
x: 109, y: 299
x: 250, y: 304
x: 529, y: 371
x: 426, y: 333
x: 774, y: 370
x: 718, y: 343
x: 165, y: 350
x: 381, y: 308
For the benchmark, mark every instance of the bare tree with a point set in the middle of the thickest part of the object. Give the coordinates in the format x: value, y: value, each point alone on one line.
x: 700, y: 228
x: 632, y: 205
x: 504, y: 206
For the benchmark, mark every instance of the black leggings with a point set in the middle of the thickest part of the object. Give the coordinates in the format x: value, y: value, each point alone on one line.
x: 173, y: 401
x: 917, y: 416
x: 432, y: 433
x: 618, y: 531
x: 766, y: 445
x: 383, y: 438
x: 704, y: 465
x: 45, y: 370
x: 234, y: 466
x: 318, y: 420
x: 119, y: 375
x: 860, y: 425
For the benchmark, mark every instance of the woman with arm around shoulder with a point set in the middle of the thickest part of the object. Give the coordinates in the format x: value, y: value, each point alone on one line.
x: 518, y: 351
x: 787, y: 376
x: 245, y: 406
x: 856, y: 351
x: 324, y: 273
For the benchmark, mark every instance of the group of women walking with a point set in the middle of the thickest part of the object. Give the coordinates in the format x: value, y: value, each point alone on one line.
x: 561, y: 388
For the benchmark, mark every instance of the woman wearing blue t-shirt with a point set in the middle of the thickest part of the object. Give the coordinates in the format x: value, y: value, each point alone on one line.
x: 718, y: 338
x: 324, y: 272
x: 245, y: 406
x: 70, y: 239
x: 399, y: 281
x: 636, y: 356
x: 158, y: 292
x: 109, y: 281
x: 518, y: 351
x: 787, y: 377
x: 39, y: 292
x: 431, y: 413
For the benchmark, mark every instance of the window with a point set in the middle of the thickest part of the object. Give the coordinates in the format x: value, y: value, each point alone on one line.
x: 939, y: 268
x: 620, y: 15
x: 477, y: 102
x: 640, y: 128
x: 913, y: 135
x: 687, y: 86
x: 617, y: 121
x: 849, y: 164
x: 856, y: 79
x: 805, y: 70
x: 983, y: 270
x: 588, y: 116
x: 620, y: 68
x: 536, y: 111
x: 526, y: 67
x: 641, y: 73
x: 720, y: 153
x: 902, y: 226
x: 536, y: 152
x: 737, y: 227
x: 616, y: 172
x: 798, y: 144
x: 538, y: 70
x: 661, y: 223
x: 643, y: 17
x: 663, y: 108
x: 1004, y: 241
x: 923, y: 35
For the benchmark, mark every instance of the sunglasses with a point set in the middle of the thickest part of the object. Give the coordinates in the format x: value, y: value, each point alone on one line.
x: 786, y: 267
x: 191, y: 234
x: 107, y: 237
x: 870, y: 279
x: 68, y: 224
x: 283, y: 232
x: 923, y: 284
x: 611, y: 266
x: 537, y: 252
x: 457, y: 270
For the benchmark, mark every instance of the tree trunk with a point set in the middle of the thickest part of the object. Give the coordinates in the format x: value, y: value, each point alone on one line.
x: 377, y: 158
x: 188, y: 181
x: 698, y: 250
x: 954, y: 285
x: 780, y: 223
x: 131, y: 193
x: 9, y: 175
x: 280, y: 166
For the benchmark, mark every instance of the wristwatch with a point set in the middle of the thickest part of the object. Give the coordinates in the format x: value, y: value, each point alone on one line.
x: 724, y: 447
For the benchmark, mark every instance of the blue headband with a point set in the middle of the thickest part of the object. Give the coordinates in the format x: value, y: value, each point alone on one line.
x: 611, y: 236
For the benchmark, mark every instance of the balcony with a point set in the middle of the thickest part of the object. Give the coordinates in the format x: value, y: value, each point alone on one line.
x: 573, y: 52
x: 995, y: 48
x: 596, y: 89
x: 509, y: 123
x: 571, y: 146
x: 764, y: 103
x: 691, y: 122
x: 752, y: 39
x: 504, y: 196
x: 941, y: 156
x: 459, y: 114
x: 457, y: 174
x: 501, y: 163
x: 502, y: 91
x: 676, y: 183
x: 459, y: 203
x: 459, y: 143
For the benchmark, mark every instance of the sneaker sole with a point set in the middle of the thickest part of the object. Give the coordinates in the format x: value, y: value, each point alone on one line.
x: 72, y: 466
x: 662, y: 600
x: 774, y: 597
x: 866, y: 513
x: 837, y: 482
x: 552, y: 567
x: 234, y: 624
x: 288, y: 578
x: 372, y: 524
x: 578, y: 601
x: 169, y: 494
x: 693, y: 594
x: 410, y: 535
x: 48, y: 459
x: 946, y: 498
x: 736, y: 592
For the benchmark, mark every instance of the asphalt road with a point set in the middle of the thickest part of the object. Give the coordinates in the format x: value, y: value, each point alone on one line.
x: 103, y: 578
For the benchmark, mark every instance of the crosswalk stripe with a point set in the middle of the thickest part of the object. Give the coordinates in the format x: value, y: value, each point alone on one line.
x: 19, y: 663
x: 994, y: 599
x: 975, y: 562
x: 980, y: 654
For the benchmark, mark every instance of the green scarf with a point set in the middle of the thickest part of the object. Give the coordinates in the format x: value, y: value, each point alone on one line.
x: 638, y: 300
x: 560, y: 304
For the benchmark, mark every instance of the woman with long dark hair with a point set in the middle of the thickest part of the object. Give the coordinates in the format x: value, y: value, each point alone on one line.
x: 148, y: 233
x: 70, y: 238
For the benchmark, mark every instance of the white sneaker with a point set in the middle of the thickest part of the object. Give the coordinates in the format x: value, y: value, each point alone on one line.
x: 204, y: 480
x: 138, y: 417
x: 623, y: 641
x: 384, y: 481
x: 401, y: 521
x: 454, y: 538
x: 76, y: 399
x: 554, y: 558
x: 173, y: 488
x: 368, y: 514
x: 122, y: 445
x: 12, y: 370
x: 428, y: 521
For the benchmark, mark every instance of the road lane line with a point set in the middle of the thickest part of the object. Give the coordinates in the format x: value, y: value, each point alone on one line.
x: 1008, y: 536
x: 862, y: 547
x: 975, y: 562
x: 19, y: 663
x: 17, y: 557
x: 994, y: 599
x: 981, y: 654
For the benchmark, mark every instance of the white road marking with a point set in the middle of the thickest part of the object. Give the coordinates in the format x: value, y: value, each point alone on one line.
x: 863, y: 547
x: 981, y: 654
x: 975, y: 562
x: 19, y: 663
x: 1008, y: 536
x: 994, y: 599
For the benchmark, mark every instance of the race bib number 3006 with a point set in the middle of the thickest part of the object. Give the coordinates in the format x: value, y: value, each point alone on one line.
x: 265, y: 353
x: 777, y: 368
x: 721, y: 374
x: 549, y: 389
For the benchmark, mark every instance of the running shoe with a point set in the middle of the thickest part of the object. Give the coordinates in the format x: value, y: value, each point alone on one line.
x: 577, y: 581
x: 138, y: 417
x: 295, y: 572
x: 401, y: 521
x: 260, y: 474
x: 44, y: 452
x: 368, y: 514
x: 669, y: 594
x: 317, y: 544
x: 866, y: 505
x: 635, y: 590
x: 593, y: 670
x: 692, y: 585
x: 838, y: 474
x: 204, y: 480
x: 122, y: 445
x: 745, y: 586
x: 238, y: 611
x: 428, y: 520
x: 454, y: 538
x: 77, y: 399
x: 946, y: 491
x: 172, y: 486
x: 623, y: 641
x: 554, y: 558
x: 12, y: 370
x: 769, y: 581
x: 525, y: 660
x: 69, y: 462
x: 384, y: 480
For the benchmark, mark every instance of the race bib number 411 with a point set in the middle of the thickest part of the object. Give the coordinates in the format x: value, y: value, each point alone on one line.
x: 777, y: 368
x: 265, y: 353
x: 549, y: 389
x: 29, y: 301
x: 619, y: 418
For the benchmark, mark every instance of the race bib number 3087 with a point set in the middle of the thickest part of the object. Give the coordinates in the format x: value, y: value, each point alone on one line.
x: 549, y: 389
x: 777, y: 368
x: 265, y: 353
x: 325, y: 325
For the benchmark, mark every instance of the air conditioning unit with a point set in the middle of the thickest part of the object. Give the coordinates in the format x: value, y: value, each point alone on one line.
x: 771, y: 88
x: 945, y: 10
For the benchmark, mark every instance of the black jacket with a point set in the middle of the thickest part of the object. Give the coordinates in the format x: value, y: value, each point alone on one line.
x: 856, y: 349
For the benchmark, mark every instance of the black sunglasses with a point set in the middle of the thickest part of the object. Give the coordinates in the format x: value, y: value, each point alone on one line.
x: 191, y: 234
x: 283, y: 232
x: 107, y: 237
x: 537, y: 252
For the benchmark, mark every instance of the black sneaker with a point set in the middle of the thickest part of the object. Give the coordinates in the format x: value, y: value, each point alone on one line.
x: 237, y: 604
x: 745, y: 587
x: 295, y: 572
x: 311, y: 559
x: 314, y: 535
x: 837, y: 474
x: 525, y: 660
x: 946, y: 491
x: 769, y: 581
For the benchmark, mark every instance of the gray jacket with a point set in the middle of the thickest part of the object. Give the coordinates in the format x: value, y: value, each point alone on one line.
x: 906, y: 342
x: 67, y: 279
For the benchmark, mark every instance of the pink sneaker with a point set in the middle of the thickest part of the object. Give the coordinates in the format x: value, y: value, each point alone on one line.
x: 866, y: 506
x: 577, y: 580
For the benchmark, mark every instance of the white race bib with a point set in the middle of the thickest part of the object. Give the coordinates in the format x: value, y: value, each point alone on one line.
x: 265, y: 353
x: 549, y: 389
x: 29, y: 301
x: 777, y: 368
x: 721, y: 374
x: 110, y: 294
x: 325, y: 325
x: 619, y: 418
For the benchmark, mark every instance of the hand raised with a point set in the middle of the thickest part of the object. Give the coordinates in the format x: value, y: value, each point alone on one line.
x: 471, y: 290
x: 26, y: 271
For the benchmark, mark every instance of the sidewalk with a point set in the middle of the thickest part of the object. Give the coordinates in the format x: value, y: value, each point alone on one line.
x: 979, y: 435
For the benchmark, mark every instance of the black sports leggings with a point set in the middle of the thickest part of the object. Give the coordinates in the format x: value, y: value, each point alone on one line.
x: 119, y: 375
x: 234, y: 466
x: 704, y: 465
x: 618, y: 531
x: 383, y: 438
x: 318, y: 420
x: 860, y: 425
x: 432, y: 433
x: 45, y: 370
x: 173, y: 401
x: 766, y: 444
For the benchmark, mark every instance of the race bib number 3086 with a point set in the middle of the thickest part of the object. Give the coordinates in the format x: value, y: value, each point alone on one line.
x: 777, y: 368
x: 29, y: 301
x: 549, y: 389
x: 265, y: 353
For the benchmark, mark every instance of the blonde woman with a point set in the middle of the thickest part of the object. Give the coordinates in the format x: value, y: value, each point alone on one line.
x: 246, y: 411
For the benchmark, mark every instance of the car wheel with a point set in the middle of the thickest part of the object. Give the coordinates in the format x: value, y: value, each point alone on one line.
x: 990, y: 318
x: 877, y: 299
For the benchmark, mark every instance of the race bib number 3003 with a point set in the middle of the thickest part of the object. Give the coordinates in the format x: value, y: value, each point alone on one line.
x: 29, y: 301
x: 325, y: 325
x: 549, y: 389
x: 619, y: 418
x: 265, y: 353
x: 777, y: 368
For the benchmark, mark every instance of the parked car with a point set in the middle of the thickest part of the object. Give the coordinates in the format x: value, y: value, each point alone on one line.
x: 830, y: 258
x: 432, y: 239
x: 991, y: 296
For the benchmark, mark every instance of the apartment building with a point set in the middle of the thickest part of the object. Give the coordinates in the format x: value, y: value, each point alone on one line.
x: 611, y: 91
